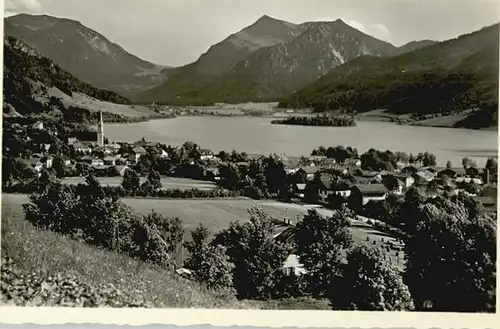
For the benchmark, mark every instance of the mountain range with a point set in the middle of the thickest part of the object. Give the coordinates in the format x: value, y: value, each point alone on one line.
x: 466, y: 66
x: 84, y: 52
x: 33, y: 84
x: 323, y: 65
x: 255, y: 65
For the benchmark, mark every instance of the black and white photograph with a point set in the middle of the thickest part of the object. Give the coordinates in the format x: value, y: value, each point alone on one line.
x: 320, y: 155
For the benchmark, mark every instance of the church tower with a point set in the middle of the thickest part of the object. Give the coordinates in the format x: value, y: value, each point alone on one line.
x: 100, y: 131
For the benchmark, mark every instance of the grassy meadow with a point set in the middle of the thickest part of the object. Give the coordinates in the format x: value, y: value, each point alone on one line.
x: 167, y: 182
x: 216, y: 214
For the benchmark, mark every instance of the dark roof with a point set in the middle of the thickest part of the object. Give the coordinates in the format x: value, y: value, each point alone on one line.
x: 369, y: 173
x: 309, y: 169
x: 31, y: 161
x: 370, y: 189
x: 400, y: 175
x: 342, y: 185
x: 326, y: 179
x: 364, y: 180
x: 409, y: 169
x: 456, y: 170
x: 139, y: 149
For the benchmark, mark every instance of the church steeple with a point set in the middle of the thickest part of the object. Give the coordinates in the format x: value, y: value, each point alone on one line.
x: 100, y: 131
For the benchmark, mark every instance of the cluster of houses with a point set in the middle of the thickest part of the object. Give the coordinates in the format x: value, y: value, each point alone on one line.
x: 326, y: 178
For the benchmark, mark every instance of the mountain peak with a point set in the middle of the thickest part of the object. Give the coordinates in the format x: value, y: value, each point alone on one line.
x: 266, y: 17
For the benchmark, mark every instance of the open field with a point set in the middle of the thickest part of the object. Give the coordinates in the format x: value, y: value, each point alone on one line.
x: 447, y: 121
x: 217, y: 214
x: 95, y: 105
x: 167, y: 182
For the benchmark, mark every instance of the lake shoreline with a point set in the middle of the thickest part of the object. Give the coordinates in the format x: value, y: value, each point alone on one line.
x: 256, y: 135
x: 279, y: 115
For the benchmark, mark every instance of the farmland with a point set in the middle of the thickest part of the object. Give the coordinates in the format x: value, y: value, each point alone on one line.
x: 217, y: 214
x: 167, y: 182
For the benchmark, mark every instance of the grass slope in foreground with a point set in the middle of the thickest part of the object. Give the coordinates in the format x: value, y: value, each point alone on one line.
x: 48, y: 254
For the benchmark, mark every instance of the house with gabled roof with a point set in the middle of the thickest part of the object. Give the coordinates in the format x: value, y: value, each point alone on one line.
x: 120, y: 170
x: 82, y: 148
x: 423, y: 176
x: 307, y: 172
x: 34, y: 163
x: 138, y: 152
x: 352, y: 162
x: 453, y: 172
x: 331, y: 186
x: 361, y: 194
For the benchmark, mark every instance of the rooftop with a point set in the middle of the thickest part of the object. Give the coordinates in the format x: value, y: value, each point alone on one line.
x: 366, y: 189
x: 309, y: 169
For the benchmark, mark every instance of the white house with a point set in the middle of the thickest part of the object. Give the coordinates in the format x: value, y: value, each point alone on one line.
x: 164, y: 154
x: 329, y: 187
x: 352, y: 162
x: 138, y: 152
x: 96, y: 162
x: 72, y: 140
x: 308, y: 171
x: 35, y: 163
x: 120, y: 170
x: 38, y: 125
x: 292, y: 266
x: 48, y: 161
x: 369, y: 192
x: 206, y: 155
x: 110, y: 160
x: 79, y: 147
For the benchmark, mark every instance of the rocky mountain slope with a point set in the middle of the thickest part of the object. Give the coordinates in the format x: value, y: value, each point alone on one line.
x: 33, y: 82
x: 301, y: 54
x: 457, y: 74
x: 84, y: 52
x: 265, y: 32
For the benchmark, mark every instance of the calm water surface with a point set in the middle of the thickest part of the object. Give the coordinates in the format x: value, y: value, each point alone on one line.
x: 259, y: 136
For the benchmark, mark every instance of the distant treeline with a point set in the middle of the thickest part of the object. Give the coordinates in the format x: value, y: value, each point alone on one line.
x: 319, y: 120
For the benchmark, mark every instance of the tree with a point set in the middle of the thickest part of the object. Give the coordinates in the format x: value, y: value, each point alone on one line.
x: 59, y: 168
x: 370, y: 282
x: 390, y: 182
x: 229, y: 177
x: 210, y: 263
x: 321, y: 246
x: 448, y: 164
x: 131, y: 181
x: 466, y: 162
x: 169, y: 228
x: 451, y: 258
x: 257, y: 256
x: 154, y: 179
x: 428, y: 159
x: 336, y: 201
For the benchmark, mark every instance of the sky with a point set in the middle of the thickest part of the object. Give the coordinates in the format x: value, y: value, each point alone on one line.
x: 177, y: 32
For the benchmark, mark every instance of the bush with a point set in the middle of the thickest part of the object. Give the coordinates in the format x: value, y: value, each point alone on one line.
x: 369, y: 281
x: 90, y: 213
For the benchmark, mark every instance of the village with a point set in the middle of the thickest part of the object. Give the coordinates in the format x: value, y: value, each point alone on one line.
x: 313, y: 179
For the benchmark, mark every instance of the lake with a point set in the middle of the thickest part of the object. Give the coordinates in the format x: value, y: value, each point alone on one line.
x: 256, y: 135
